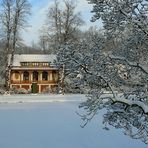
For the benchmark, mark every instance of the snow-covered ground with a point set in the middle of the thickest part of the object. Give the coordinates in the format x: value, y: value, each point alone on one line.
x: 55, y: 125
x: 40, y: 98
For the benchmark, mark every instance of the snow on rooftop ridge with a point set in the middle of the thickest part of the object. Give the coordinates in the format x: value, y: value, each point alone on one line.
x: 18, y: 58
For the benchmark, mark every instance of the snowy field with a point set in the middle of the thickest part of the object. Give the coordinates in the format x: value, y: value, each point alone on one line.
x: 54, y: 124
x: 39, y: 98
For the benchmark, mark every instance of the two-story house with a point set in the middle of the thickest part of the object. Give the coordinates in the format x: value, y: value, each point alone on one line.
x: 34, y: 72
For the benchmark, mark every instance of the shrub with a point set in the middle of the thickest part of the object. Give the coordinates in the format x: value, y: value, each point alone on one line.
x: 46, y: 90
x: 2, y: 91
x: 21, y: 91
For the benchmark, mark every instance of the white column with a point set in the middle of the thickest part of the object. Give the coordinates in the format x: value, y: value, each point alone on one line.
x: 39, y: 88
x: 31, y: 76
x: 50, y: 76
x: 40, y: 76
x: 56, y: 76
x: 30, y: 87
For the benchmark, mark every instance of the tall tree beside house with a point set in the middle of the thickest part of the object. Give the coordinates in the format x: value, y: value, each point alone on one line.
x: 63, y: 26
x: 14, y: 14
x: 2, y: 61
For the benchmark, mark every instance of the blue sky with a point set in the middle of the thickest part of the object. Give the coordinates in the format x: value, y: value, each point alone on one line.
x: 38, y: 17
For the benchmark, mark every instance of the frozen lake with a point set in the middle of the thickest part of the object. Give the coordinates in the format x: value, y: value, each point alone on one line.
x: 56, y: 125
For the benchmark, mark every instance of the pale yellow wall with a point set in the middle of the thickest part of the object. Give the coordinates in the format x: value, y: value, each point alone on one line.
x: 40, y: 76
x: 50, y: 76
x: 14, y: 78
x: 56, y: 76
x: 31, y: 76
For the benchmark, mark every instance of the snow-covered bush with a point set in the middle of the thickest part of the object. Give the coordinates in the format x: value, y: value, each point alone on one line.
x: 46, y: 90
x: 2, y: 91
x: 21, y: 91
x: 15, y: 90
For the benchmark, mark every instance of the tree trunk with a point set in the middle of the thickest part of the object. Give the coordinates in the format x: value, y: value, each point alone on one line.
x: 7, y: 78
x: 62, y: 80
x: 7, y: 73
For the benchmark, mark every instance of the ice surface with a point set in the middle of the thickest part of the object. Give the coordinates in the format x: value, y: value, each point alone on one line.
x: 56, y: 125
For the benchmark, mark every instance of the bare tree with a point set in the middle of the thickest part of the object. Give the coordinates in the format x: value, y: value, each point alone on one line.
x: 63, y: 23
x: 63, y: 28
x: 14, y: 14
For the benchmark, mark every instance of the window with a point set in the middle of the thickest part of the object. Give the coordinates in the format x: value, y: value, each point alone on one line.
x: 35, y: 76
x: 45, y: 76
x: 26, y: 76
x: 35, y: 64
x: 25, y: 63
x: 45, y: 64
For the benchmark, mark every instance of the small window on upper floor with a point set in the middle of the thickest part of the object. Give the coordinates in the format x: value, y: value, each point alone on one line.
x: 45, y: 64
x: 25, y: 63
x: 35, y: 64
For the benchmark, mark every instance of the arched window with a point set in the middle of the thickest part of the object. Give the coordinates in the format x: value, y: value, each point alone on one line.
x: 26, y: 76
x: 45, y: 76
x: 35, y: 76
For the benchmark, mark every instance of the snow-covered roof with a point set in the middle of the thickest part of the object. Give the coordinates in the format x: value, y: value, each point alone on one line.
x: 34, y: 68
x: 18, y: 58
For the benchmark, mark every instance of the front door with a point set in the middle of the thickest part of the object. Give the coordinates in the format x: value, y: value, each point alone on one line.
x: 34, y: 88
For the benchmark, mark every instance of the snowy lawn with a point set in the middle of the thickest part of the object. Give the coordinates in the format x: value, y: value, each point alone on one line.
x: 40, y: 98
x: 55, y: 125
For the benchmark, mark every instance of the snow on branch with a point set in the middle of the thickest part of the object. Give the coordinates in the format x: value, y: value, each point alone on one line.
x: 140, y: 104
x: 132, y: 64
x: 134, y: 21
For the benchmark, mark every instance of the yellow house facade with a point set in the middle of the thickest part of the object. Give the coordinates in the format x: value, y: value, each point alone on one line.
x: 34, y: 72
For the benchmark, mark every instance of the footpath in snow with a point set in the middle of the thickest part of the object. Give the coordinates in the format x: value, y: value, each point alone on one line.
x: 41, y: 98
